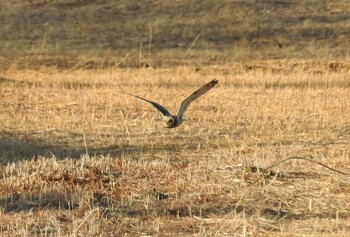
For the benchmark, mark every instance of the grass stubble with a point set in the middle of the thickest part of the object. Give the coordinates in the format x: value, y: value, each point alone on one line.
x: 81, y: 159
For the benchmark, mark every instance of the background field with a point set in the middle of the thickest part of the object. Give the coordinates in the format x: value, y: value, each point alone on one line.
x: 94, y: 33
x: 79, y: 158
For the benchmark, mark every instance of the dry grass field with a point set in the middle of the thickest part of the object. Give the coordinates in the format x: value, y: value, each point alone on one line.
x: 62, y: 33
x: 81, y: 159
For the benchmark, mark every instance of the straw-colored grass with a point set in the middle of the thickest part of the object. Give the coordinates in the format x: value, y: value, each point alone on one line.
x: 81, y: 159
x: 63, y: 32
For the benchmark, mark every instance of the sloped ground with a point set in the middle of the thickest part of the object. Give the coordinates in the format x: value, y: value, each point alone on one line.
x: 63, y: 33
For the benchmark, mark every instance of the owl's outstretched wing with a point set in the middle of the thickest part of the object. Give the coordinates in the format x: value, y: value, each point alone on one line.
x: 194, y: 96
x: 160, y: 108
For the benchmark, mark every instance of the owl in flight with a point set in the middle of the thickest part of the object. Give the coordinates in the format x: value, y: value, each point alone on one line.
x: 172, y: 121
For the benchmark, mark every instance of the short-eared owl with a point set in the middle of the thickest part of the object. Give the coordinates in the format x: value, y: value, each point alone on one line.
x: 172, y: 121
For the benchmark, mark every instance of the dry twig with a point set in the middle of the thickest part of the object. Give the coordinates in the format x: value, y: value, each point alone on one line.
x: 307, y: 159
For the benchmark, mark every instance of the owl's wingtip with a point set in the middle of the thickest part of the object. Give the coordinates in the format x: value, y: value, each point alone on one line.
x: 213, y: 82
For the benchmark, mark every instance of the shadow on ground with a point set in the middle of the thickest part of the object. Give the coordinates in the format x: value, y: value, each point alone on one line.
x: 24, y: 202
x: 18, y: 202
x: 14, y: 147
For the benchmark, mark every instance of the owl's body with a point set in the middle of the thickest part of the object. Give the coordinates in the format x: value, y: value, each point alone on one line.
x: 171, y: 121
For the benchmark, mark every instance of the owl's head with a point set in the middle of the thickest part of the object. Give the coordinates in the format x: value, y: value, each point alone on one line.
x: 169, y: 121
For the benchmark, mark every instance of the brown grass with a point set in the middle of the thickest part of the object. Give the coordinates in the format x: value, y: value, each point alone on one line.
x: 79, y: 158
x: 62, y: 33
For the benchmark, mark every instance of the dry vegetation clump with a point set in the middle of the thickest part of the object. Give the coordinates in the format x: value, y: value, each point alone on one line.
x: 79, y: 158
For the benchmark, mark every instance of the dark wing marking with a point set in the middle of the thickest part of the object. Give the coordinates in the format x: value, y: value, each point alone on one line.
x: 161, y: 109
x: 194, y: 96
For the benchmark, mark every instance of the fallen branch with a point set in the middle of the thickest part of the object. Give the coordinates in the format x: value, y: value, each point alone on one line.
x: 307, y: 159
